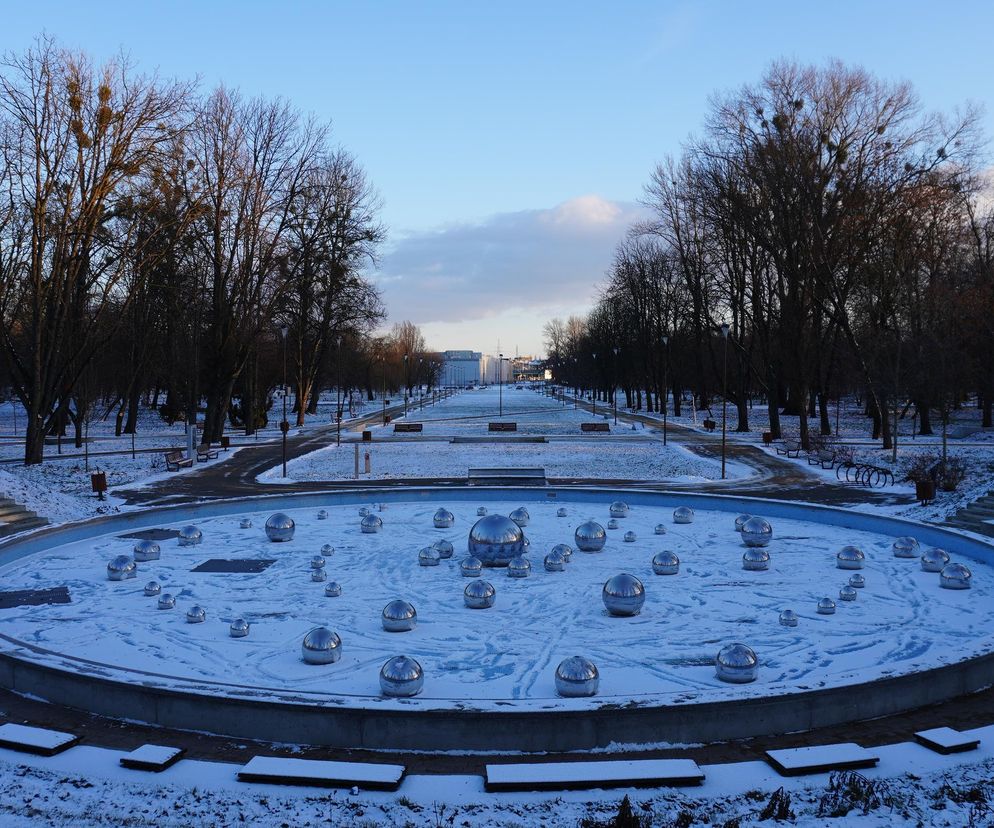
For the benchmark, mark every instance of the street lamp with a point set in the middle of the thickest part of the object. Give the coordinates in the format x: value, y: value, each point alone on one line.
x: 500, y: 385
x: 594, y: 355
x: 666, y: 387
x: 284, y: 425
x: 897, y: 382
x: 421, y: 396
x: 724, y: 394
x: 407, y: 384
x: 383, y: 397
x: 614, y: 390
x: 338, y: 391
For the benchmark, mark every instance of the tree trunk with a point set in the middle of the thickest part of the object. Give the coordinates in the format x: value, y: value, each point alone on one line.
x: 825, y: 423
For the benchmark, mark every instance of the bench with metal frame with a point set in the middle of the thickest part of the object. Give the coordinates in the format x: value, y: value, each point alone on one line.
x: 595, y: 427
x: 408, y: 428
x: 790, y: 448
x: 502, y: 427
x: 205, y: 452
x: 176, y: 460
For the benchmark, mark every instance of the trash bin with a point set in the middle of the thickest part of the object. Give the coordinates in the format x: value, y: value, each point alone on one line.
x: 98, y: 484
x: 367, y: 436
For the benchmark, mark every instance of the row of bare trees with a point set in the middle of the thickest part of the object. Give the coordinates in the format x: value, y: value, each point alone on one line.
x: 158, y: 243
x: 844, y: 237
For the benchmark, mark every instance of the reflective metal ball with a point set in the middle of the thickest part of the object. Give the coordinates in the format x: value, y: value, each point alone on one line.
x: 590, y: 537
x: 520, y: 516
x: 613, y: 524
x: 363, y: 511
x: 318, y: 575
x: 757, y: 532
x: 906, y: 547
x: 280, y: 528
x: 333, y: 589
x: 495, y: 539
x: 152, y: 588
x: 371, y: 524
x: 561, y: 512
x: 756, y: 559
x: 401, y: 677
x: 445, y: 549
x: 327, y: 550
x: 399, y: 616
x: 239, y: 628
x: 245, y: 523
x: 665, y: 563
x: 479, y: 595
x: 190, y: 536
x: 955, y: 576
x: 630, y: 537
x: 471, y: 567
x: 121, y: 568
x: 740, y: 522
x: 618, y: 509
x: 146, y: 550
x: 166, y: 601
x: 321, y: 646
x: 563, y: 549
x: 826, y: 606
x: 848, y: 593
x: 683, y: 514
x: 481, y: 511
x: 623, y: 595
x: 519, y: 567
x: 443, y: 519
x: 736, y: 663
x: 554, y: 562
x: 323, y: 514
x: 577, y: 677
x: 317, y: 562
x: 196, y: 615
x: 660, y: 529
x: 850, y: 557
x: 934, y: 560
x: 428, y: 556
x: 788, y: 618
x: 857, y: 581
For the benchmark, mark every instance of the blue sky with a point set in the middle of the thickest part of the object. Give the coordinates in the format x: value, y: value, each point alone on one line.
x: 510, y: 141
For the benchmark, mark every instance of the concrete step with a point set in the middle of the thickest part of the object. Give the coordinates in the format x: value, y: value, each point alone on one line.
x: 9, y: 513
x: 7, y: 529
x: 979, y: 511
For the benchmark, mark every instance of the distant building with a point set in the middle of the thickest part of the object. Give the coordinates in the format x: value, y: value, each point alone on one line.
x: 461, y: 368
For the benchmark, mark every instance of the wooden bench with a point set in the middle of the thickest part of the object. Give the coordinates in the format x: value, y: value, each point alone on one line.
x: 791, y: 448
x: 502, y: 427
x: 176, y: 460
x: 276, y: 770
x: 821, y: 759
x: 945, y: 740
x: 564, y: 776
x: 205, y: 452
x: 493, y: 477
x: 408, y: 428
x: 595, y: 427
x: 154, y: 758
x: 35, y: 740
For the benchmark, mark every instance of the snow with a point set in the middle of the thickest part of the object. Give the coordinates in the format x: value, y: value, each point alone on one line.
x: 945, y: 738
x: 560, y: 773
x: 34, y: 737
x: 804, y: 759
x: 152, y: 755
x: 359, y: 773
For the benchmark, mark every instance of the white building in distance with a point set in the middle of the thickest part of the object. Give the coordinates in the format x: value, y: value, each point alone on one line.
x: 461, y: 368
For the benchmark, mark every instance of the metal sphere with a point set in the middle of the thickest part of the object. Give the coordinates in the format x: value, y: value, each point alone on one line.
x: 445, y: 549
x: 630, y: 537
x: 665, y: 563
x: 363, y: 511
x: 146, y: 550
x: 520, y: 516
x: 443, y: 519
x: 826, y: 606
x: 619, y: 509
x: 590, y: 537
x: 318, y: 575
x: 623, y: 595
x: 496, y: 539
x: 152, y: 588
x: 196, y: 615
x: 121, y: 568
x: 327, y: 550
x: 757, y: 532
x: 371, y: 524
x: 399, y: 616
x: 740, y: 521
x: 857, y: 581
x: 906, y: 547
x: 736, y: 663
x: 565, y: 550
x: 479, y: 595
x: 471, y: 567
x: 561, y: 512
x: 333, y: 590
x: 428, y: 556
x: 788, y: 618
x: 519, y: 567
x: 683, y: 514
x: 850, y: 557
x: 577, y: 677
x: 317, y: 562
x: 166, y: 601
x: 401, y: 677
x: 755, y: 559
x: 613, y: 524
x: 280, y: 528
x: 245, y: 523
x: 660, y: 529
x: 323, y: 514
x: 554, y: 562
x: 934, y: 560
x: 481, y: 511
x: 239, y: 628
x: 190, y: 536
x: 321, y: 646
x: 848, y: 593
x: 955, y: 576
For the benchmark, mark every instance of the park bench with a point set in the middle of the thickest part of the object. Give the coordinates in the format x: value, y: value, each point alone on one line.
x: 822, y: 457
x: 502, y: 427
x: 205, y: 452
x: 176, y: 460
x: 617, y: 773
x: 601, y: 427
x: 495, y: 477
x: 790, y: 448
x: 408, y: 428
x: 275, y: 770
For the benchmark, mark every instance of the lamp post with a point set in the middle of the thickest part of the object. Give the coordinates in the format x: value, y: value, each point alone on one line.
x: 338, y: 391
x: 594, y: 355
x: 666, y: 386
x: 421, y: 396
x: 724, y: 394
x: 383, y: 396
x: 407, y: 384
x: 614, y: 389
x: 500, y: 385
x: 284, y: 425
x: 897, y: 381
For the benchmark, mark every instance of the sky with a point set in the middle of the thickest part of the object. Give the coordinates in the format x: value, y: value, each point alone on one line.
x: 510, y: 141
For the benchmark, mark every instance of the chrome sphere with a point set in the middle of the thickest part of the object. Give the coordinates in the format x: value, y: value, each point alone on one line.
x: 757, y: 532
x: 755, y: 559
x: 371, y: 524
x: 428, y: 556
x: 481, y: 511
x: 850, y: 557
x: 519, y: 567
x: 471, y: 567
x: 660, y: 529
x: 788, y: 618
x: 333, y: 589
x: 363, y: 511
x: 280, y: 528
x: 152, y: 588
x: 323, y: 514
x: 576, y: 677
x: 496, y: 539
x: 848, y: 593
x: 623, y: 595
x: 121, y: 568
x: 554, y: 562
x: 190, y: 536
x: 665, y: 563
x: 561, y: 512
x: 443, y: 519
x: 520, y: 516
x: 401, y: 677
x: 565, y: 550
x: 906, y: 547
x: 317, y: 562
x: 740, y: 521
x: 239, y: 628
x: 619, y: 509
x: 683, y: 514
x: 955, y: 576
x: 321, y: 646
x: 590, y: 537
x: 166, y: 601
x: 146, y: 550
x: 318, y: 575
x: 613, y: 524
x: 445, y: 549
x: 934, y: 560
x: 399, y: 616
x: 245, y: 523
x: 826, y: 606
x: 327, y: 550
x: 196, y: 615
x: 736, y: 663
x: 479, y: 595
x: 857, y: 581
x: 630, y: 537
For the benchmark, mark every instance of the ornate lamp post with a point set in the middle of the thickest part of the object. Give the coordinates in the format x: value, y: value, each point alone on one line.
x: 407, y: 384
x: 500, y: 385
x: 614, y: 390
x: 284, y: 425
x: 594, y: 355
x: 724, y: 395
x: 666, y: 386
x: 338, y: 391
